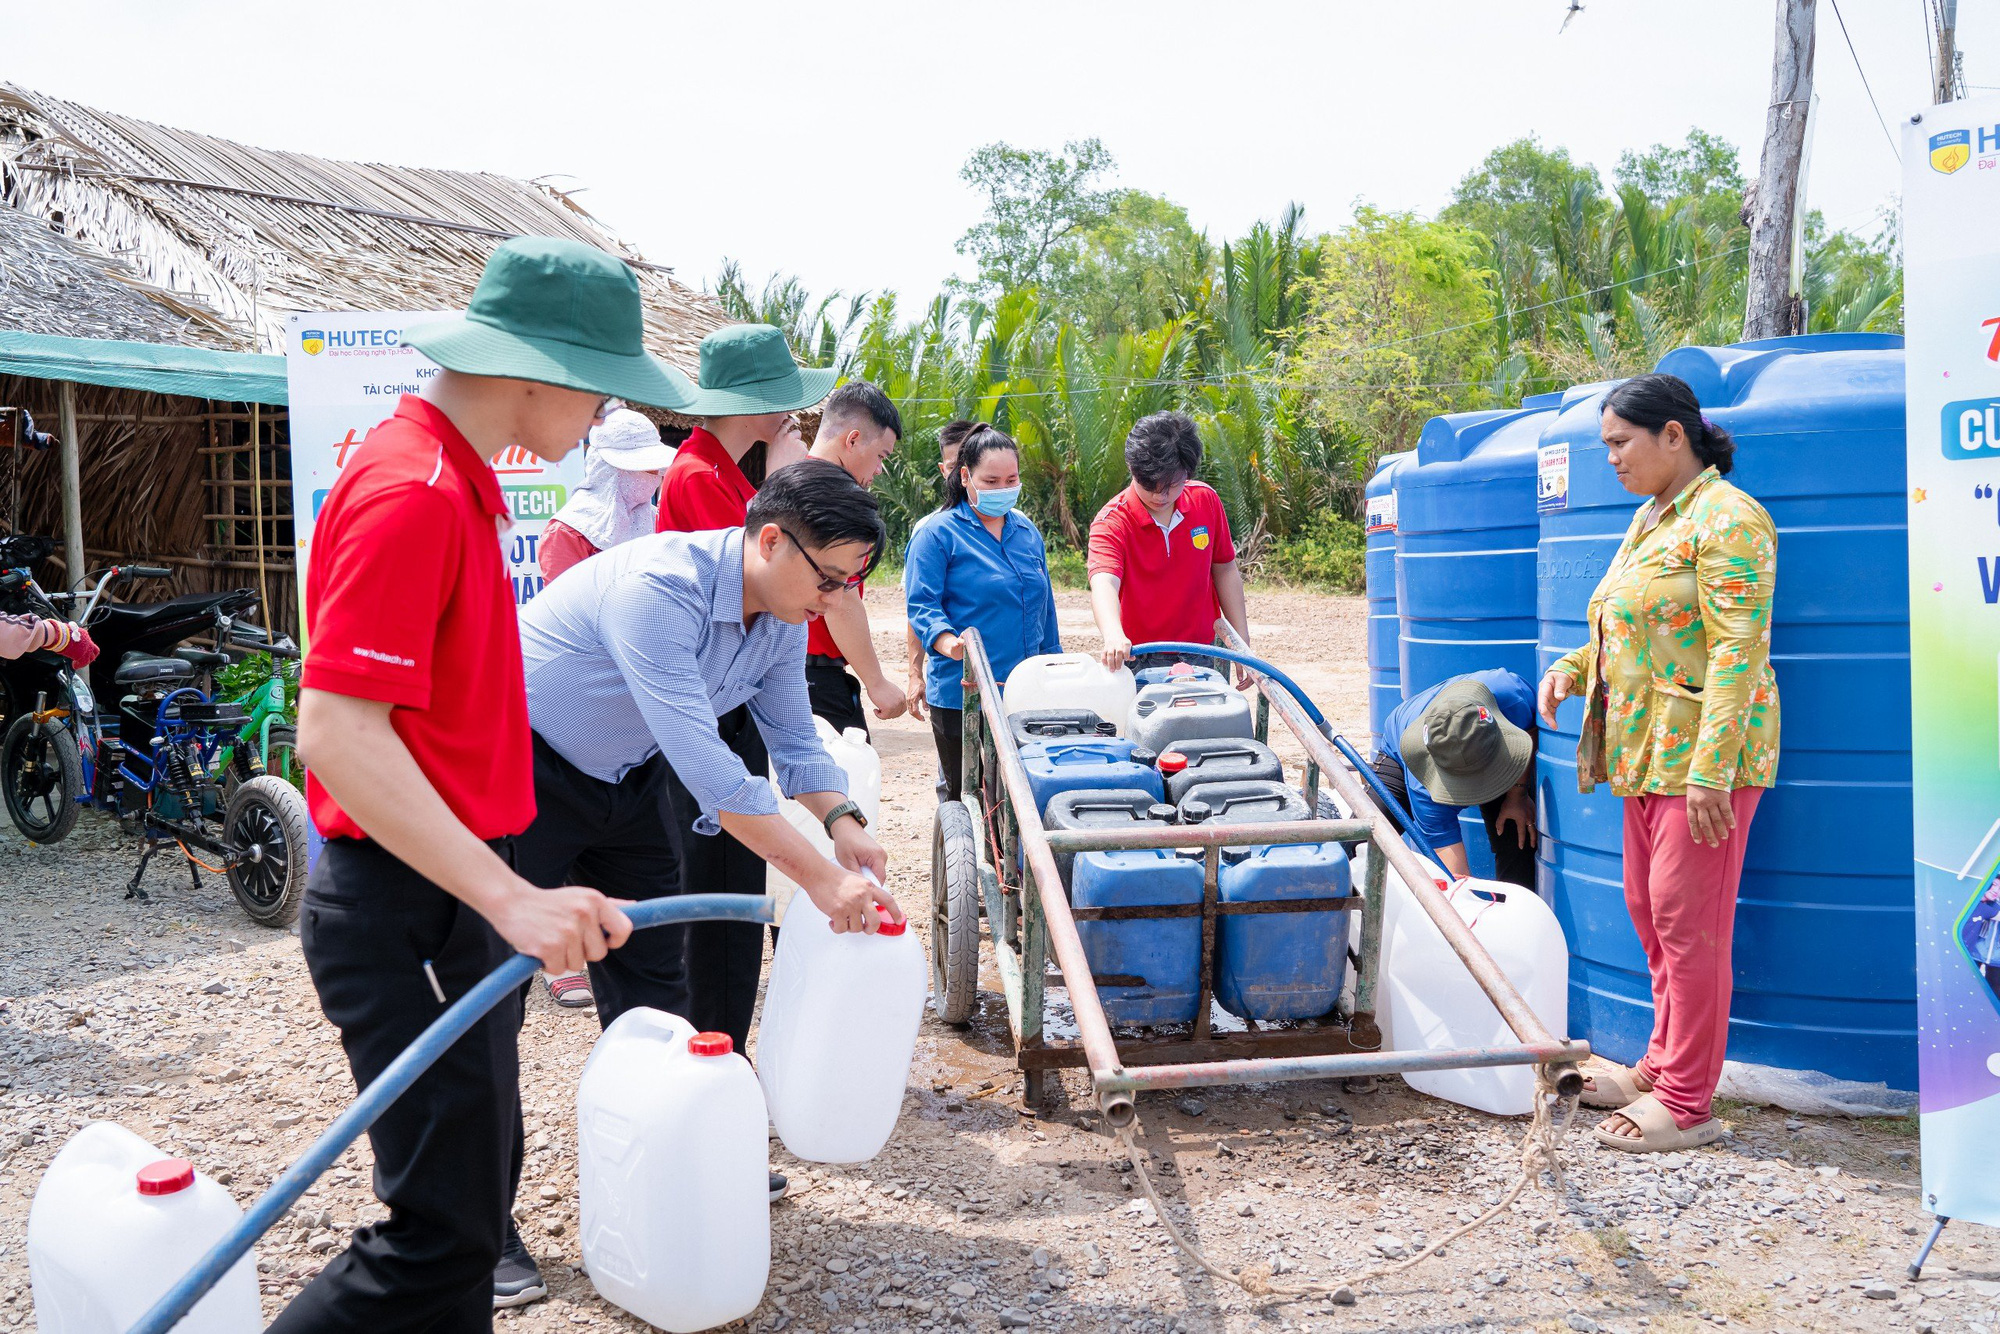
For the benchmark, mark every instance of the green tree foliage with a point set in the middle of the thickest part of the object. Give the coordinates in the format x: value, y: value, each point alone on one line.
x: 1302, y: 356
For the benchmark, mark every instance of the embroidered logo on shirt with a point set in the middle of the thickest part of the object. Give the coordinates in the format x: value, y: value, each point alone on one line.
x: 392, y: 659
x: 1200, y: 539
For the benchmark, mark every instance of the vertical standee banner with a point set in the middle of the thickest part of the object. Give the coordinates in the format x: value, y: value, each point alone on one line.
x: 345, y: 374
x: 1951, y: 265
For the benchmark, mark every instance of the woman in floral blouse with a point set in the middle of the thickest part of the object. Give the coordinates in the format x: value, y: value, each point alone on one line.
x: 1681, y: 717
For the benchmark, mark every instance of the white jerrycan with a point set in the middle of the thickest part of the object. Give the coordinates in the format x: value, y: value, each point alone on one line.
x: 1071, y: 681
x: 1396, y: 900
x: 115, y: 1223
x: 1434, y: 1005
x: 839, y: 1029
x: 851, y: 751
x: 672, y: 1154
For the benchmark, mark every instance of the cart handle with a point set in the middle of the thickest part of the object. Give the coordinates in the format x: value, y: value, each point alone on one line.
x: 416, y: 1058
x: 1244, y: 660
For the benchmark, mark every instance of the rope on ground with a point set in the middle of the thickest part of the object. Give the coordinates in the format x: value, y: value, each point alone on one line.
x: 1541, y: 1151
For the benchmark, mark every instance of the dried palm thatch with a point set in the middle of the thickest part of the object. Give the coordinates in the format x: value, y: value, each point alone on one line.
x: 51, y: 285
x: 254, y: 235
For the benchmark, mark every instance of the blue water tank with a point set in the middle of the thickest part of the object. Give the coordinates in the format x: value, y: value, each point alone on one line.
x: 1084, y: 763
x: 1465, y: 557
x: 1824, y: 957
x: 1148, y: 970
x: 1271, y: 966
x: 1385, y: 672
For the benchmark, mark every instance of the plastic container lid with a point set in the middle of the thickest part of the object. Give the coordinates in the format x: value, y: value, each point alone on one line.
x: 1194, y: 812
x: 1140, y: 755
x: 711, y: 1044
x: 166, y: 1177
x: 1107, y: 729
x: 1181, y: 669
x: 889, y: 928
x: 1162, y: 812
x: 1173, y: 762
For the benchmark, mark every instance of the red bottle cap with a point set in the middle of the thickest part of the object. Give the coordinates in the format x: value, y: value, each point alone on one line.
x: 889, y: 928
x: 711, y: 1044
x: 1172, y: 762
x: 166, y: 1176
x: 1181, y: 669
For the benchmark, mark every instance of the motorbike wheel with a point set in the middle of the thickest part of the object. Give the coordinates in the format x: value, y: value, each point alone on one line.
x: 265, y: 828
x: 41, y: 774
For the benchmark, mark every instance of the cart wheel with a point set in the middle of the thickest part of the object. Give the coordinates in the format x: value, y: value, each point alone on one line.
x: 265, y: 828
x: 42, y: 773
x: 954, y: 914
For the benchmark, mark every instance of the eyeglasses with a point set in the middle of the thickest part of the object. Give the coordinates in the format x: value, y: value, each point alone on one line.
x: 827, y: 583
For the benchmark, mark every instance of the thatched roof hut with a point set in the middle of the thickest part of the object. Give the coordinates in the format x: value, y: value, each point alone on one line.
x: 115, y: 228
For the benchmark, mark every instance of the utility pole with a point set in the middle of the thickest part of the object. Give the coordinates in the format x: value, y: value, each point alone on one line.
x: 1773, y: 311
x: 1946, y: 85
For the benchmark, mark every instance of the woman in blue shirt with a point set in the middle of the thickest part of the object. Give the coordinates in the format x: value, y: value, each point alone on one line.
x: 979, y: 564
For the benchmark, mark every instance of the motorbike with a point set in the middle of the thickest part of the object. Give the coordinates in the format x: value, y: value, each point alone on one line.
x: 140, y: 735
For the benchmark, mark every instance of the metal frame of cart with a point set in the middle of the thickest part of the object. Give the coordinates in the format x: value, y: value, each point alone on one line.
x: 1032, y: 920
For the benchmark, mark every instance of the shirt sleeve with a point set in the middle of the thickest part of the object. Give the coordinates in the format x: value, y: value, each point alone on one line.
x: 1221, y: 543
x: 383, y: 586
x: 21, y: 635
x: 696, y: 500
x: 1515, y: 697
x: 1736, y: 558
x: 1107, y: 544
x: 560, y: 547
x: 783, y: 714
x: 1438, y: 823
x: 923, y: 582
x: 651, y: 629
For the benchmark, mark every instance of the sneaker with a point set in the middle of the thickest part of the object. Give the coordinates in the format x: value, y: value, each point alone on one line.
x: 778, y: 1187
x: 571, y: 990
x: 516, y: 1280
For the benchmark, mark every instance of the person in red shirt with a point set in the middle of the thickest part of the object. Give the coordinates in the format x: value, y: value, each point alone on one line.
x: 623, y: 460
x: 747, y: 391
x: 1162, y: 565
x: 858, y: 429
x: 413, y: 720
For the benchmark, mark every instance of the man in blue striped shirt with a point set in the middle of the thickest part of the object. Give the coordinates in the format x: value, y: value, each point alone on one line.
x: 630, y: 658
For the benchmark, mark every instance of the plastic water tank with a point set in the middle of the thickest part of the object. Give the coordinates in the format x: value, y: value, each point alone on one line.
x: 1824, y: 953
x: 840, y: 1026
x: 115, y: 1223
x: 863, y: 767
x: 1435, y: 1005
x: 1176, y: 711
x: 1088, y: 763
x: 671, y: 1160
x: 1385, y: 670
x: 1070, y: 681
x: 1465, y: 557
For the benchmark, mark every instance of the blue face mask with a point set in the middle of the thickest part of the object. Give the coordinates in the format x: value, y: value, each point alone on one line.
x: 997, y: 502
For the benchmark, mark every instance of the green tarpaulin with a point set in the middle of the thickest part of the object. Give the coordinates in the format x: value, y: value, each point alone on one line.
x: 195, y: 372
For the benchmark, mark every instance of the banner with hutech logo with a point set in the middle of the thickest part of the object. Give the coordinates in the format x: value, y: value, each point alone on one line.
x: 1951, y: 258
x: 346, y: 373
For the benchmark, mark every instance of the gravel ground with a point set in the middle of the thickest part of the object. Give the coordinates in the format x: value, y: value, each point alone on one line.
x: 185, y: 1022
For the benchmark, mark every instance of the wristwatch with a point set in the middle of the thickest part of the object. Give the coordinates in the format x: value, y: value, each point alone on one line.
x: 844, y: 808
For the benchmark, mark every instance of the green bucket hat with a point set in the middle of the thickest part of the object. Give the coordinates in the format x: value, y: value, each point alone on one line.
x: 1463, y: 749
x: 747, y: 370
x: 555, y: 312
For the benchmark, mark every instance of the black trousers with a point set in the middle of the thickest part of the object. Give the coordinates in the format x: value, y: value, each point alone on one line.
x: 835, y: 694
x: 619, y: 839
x: 1511, y: 862
x: 948, y: 730
x: 725, y: 960
x: 448, y: 1152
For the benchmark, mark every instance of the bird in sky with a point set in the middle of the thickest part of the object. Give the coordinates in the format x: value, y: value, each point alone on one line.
x: 1575, y: 8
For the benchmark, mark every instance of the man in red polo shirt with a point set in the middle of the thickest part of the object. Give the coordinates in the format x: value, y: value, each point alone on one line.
x: 414, y: 721
x: 1162, y: 565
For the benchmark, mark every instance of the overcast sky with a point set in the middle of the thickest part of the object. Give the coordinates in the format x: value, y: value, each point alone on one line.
x: 825, y: 139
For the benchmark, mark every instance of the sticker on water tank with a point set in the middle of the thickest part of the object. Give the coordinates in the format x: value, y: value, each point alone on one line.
x: 1382, y: 513
x: 1552, y: 478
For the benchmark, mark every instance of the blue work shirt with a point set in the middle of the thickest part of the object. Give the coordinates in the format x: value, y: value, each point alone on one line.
x: 958, y: 576
x: 1439, y: 823
x: 638, y: 650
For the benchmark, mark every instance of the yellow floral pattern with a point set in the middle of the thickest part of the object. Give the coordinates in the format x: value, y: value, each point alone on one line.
x: 1676, y: 678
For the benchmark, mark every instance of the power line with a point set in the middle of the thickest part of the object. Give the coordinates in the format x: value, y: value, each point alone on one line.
x: 1879, y: 118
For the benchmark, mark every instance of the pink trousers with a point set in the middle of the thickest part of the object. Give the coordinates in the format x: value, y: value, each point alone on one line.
x: 1682, y: 896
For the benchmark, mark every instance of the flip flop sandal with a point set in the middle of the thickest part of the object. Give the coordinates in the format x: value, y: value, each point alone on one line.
x: 1657, y: 1131
x: 571, y: 991
x: 1617, y: 1087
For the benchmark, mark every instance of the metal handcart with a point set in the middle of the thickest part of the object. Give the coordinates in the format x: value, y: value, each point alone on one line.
x: 992, y: 861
